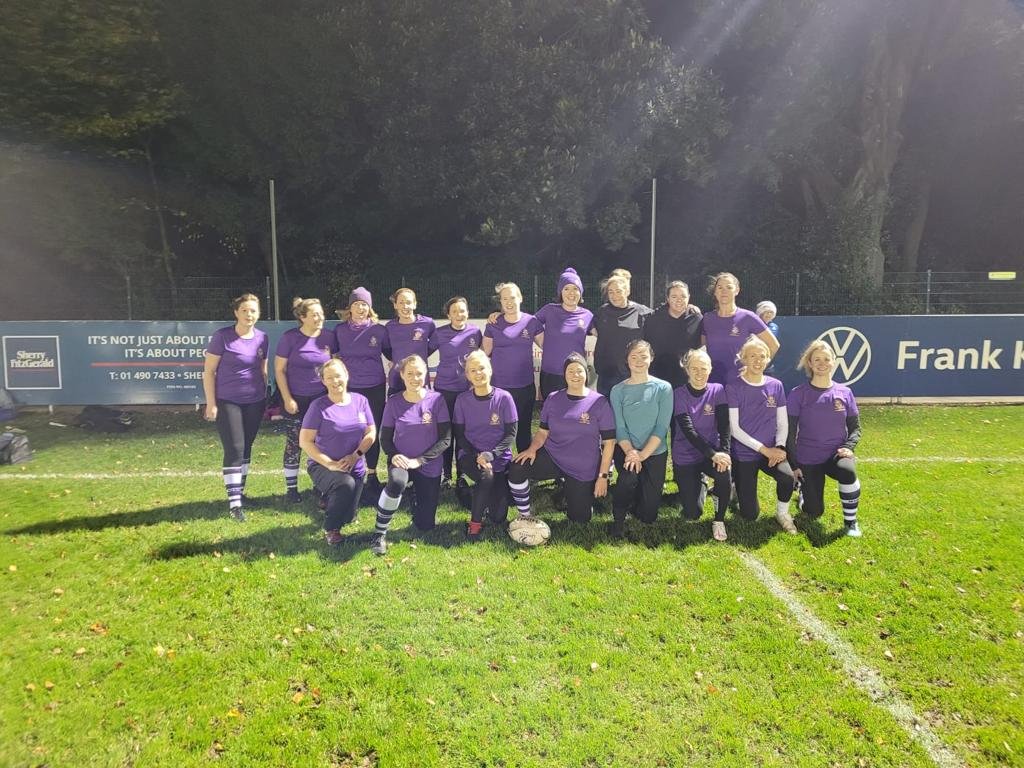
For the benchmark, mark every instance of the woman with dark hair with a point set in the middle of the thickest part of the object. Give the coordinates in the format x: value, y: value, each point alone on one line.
x: 824, y: 430
x: 673, y: 329
x: 566, y: 325
x: 453, y: 343
x: 407, y: 334
x: 616, y: 323
x: 360, y: 341
x: 235, y: 387
x: 336, y: 433
x: 414, y: 433
x: 726, y: 329
x: 574, y: 443
x: 642, y: 405
x: 300, y: 353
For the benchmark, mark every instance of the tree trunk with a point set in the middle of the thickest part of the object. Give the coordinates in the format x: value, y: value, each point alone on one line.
x: 915, y: 230
x: 167, y: 257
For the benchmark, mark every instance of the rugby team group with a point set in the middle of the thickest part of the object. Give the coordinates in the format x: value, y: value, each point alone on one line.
x: 667, y: 378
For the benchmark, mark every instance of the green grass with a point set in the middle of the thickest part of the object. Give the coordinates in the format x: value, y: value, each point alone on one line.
x: 172, y: 635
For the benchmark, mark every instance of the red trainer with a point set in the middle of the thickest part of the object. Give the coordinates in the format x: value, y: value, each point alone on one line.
x: 333, y: 537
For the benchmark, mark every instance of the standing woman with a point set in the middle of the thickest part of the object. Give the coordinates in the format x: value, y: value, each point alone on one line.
x: 642, y: 406
x: 566, y: 325
x: 414, y: 433
x: 759, y: 425
x: 616, y: 324
x: 408, y: 334
x: 454, y: 343
x: 336, y: 433
x: 235, y: 387
x: 300, y: 353
x: 575, y: 441
x: 824, y: 429
x: 360, y: 343
x: 726, y: 329
x: 701, y: 443
x: 673, y: 330
x: 485, y: 422
x: 509, y: 340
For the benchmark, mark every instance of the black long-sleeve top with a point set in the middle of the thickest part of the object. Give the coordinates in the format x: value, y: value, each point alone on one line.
x: 685, y: 423
x: 671, y: 338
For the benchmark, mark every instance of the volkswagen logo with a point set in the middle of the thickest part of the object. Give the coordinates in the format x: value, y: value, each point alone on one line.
x: 853, y: 352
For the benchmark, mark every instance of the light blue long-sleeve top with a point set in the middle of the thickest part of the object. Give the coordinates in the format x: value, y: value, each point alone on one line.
x: 642, y: 410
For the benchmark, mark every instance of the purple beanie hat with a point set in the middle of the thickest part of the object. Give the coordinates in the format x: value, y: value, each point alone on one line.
x: 360, y: 294
x: 569, y: 277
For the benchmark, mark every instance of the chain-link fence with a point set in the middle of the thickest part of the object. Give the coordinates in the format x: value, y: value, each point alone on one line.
x: 206, y: 298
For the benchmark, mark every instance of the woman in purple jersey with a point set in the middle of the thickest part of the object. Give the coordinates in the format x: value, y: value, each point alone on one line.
x: 509, y: 340
x: 566, y: 325
x: 235, y: 387
x: 701, y: 444
x: 300, y: 353
x: 361, y: 340
x: 336, y: 433
x: 453, y: 343
x: 726, y: 329
x: 484, y: 421
x: 574, y: 442
x: 759, y: 424
x: 408, y: 334
x: 824, y: 429
x: 414, y: 433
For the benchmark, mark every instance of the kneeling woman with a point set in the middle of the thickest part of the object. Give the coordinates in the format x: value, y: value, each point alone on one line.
x: 574, y: 441
x: 701, y: 443
x: 643, y: 410
x: 336, y: 433
x: 824, y: 429
x: 485, y: 423
x: 759, y: 425
x: 414, y: 433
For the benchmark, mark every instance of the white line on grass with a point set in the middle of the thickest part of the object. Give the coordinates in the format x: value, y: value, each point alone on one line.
x: 864, y: 677
x: 184, y: 473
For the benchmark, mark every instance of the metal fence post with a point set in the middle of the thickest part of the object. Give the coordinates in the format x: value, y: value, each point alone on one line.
x: 928, y: 293
x: 535, y: 294
x: 128, y: 293
x: 266, y: 288
x: 796, y: 309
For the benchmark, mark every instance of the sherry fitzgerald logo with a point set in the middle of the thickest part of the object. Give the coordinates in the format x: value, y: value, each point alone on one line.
x: 31, y: 362
x: 853, y: 353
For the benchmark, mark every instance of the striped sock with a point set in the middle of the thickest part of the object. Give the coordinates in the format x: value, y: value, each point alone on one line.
x: 521, y: 497
x: 233, y: 482
x: 245, y: 472
x: 849, y: 495
x: 291, y: 477
x: 386, y: 506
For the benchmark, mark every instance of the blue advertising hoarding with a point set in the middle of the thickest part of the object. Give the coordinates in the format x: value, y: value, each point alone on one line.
x: 138, y: 363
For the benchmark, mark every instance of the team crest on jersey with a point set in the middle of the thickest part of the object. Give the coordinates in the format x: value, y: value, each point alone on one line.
x: 838, y: 405
x: 526, y: 333
x: 769, y: 401
x: 708, y: 410
x: 362, y: 417
x: 427, y: 417
x: 259, y: 353
x: 373, y: 341
x: 494, y: 419
x: 580, y: 323
x: 325, y: 350
x: 472, y: 342
x: 584, y: 418
x: 735, y: 331
x: 417, y: 335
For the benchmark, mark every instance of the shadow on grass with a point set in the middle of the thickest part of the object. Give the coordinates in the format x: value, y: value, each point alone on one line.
x: 176, y: 513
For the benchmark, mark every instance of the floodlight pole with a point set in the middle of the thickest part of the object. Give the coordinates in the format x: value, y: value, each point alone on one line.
x: 654, y: 219
x: 273, y: 251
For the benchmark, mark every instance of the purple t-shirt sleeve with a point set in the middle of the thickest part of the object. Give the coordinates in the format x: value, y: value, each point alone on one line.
x: 216, y: 345
x: 314, y: 416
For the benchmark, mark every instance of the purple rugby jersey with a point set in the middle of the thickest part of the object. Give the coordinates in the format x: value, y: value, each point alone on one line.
x: 701, y: 411
x: 408, y: 339
x: 822, y: 414
x: 239, y: 378
x: 415, y: 426
x: 485, y: 420
x: 453, y: 347
x: 512, y: 354
x: 574, y: 431
x: 360, y: 348
x: 725, y: 336
x: 304, y: 355
x: 564, y: 332
x: 758, y: 406
x: 339, y: 428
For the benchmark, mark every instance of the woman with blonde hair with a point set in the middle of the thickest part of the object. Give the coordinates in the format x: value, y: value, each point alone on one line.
x: 616, y: 323
x: 407, y: 334
x: 824, y: 429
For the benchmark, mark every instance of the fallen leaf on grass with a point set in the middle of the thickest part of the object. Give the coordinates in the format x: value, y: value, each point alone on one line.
x: 888, y: 655
x: 431, y: 702
x: 159, y: 650
x: 216, y: 553
x: 79, y: 652
x: 843, y: 607
x: 30, y: 687
x: 48, y: 685
x: 233, y: 712
x: 99, y: 628
x: 58, y: 591
x: 712, y: 689
x: 410, y: 650
x: 298, y: 697
x: 12, y: 568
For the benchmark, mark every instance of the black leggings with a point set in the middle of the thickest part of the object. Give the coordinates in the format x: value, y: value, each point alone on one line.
x: 449, y: 452
x: 639, y: 492
x: 238, y: 425
x: 745, y: 474
x: 342, y: 490
x: 525, y: 399
x: 490, y: 491
x: 377, y: 397
x: 428, y: 491
x: 689, y: 482
x: 812, y: 487
x: 579, y: 494
x: 293, y: 421
x: 550, y: 382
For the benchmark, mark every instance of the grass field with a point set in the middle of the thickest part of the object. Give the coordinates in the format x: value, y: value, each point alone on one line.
x: 141, y: 626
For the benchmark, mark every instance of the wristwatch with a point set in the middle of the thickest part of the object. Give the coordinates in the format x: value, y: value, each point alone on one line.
x: 606, y: 475
x: 359, y: 453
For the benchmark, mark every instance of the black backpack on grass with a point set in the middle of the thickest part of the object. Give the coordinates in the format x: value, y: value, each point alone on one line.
x: 14, y: 448
x: 100, y: 418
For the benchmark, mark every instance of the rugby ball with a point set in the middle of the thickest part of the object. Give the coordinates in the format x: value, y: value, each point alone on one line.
x: 529, y: 532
